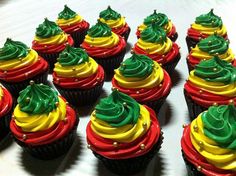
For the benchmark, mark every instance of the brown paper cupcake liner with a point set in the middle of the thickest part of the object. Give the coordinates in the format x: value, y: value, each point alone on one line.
x: 170, y: 66
x: 191, y: 43
x: 78, y: 37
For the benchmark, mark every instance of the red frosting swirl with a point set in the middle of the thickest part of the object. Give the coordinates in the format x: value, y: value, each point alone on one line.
x: 5, y: 102
x: 80, y: 83
x: 122, y: 30
x: 105, y: 147
x: 77, y: 27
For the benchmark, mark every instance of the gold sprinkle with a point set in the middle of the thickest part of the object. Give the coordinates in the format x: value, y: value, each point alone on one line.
x: 57, y: 103
x: 214, y: 69
x: 160, y: 85
x: 201, y: 144
x: 65, y: 119
x: 137, y: 92
x: 115, y: 144
x: 231, y: 101
x: 27, y: 99
x: 67, y: 102
x: 26, y: 74
x: 199, y: 168
x: 132, y: 51
x: 24, y: 137
x: 142, y: 146
x: 31, y: 82
x: 195, y: 128
x: 45, y: 46
x: 144, y: 125
x: 89, y: 146
x: 98, y: 79
x: 215, y: 104
x: 125, y: 104
x: 200, y: 91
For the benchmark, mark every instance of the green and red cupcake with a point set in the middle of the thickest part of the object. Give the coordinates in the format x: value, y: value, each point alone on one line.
x: 19, y: 64
x: 73, y: 24
x: 123, y: 134
x: 78, y: 77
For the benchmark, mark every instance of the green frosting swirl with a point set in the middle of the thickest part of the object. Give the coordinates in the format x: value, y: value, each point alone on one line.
x: 153, y: 34
x: 118, y: 109
x: 209, y: 20
x: 100, y: 30
x: 37, y: 99
x: 137, y: 66
x: 109, y: 14
x: 66, y: 13
x: 72, y: 56
x: 159, y: 18
x: 12, y: 50
x: 219, y: 124
x: 48, y: 29
x: 214, y: 44
x: 216, y: 70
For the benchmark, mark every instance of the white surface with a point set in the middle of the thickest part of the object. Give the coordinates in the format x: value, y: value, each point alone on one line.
x: 18, y: 20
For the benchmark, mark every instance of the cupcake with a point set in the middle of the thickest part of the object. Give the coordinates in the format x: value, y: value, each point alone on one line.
x: 115, y: 21
x: 212, y: 82
x: 43, y: 123
x: 144, y: 80
x: 49, y: 41
x: 104, y: 46
x: 123, y: 134
x: 204, y: 26
x: 73, y: 24
x: 154, y: 44
x: 162, y: 21
x: 6, y: 105
x: 78, y: 77
x: 209, y: 47
x: 208, y: 143
x: 19, y: 64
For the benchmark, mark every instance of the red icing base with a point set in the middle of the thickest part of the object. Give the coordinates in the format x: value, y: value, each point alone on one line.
x: 81, y: 26
x: 122, y: 30
x: 5, y: 103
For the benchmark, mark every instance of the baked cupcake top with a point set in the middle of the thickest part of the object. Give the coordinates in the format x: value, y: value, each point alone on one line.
x: 121, y: 128
x: 212, y: 138
x: 75, y: 69
x: 5, y: 102
x: 18, y: 62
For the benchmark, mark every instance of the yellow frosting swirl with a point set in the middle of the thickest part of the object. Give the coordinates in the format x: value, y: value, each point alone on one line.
x: 127, y: 133
x: 155, y: 48
x: 68, y: 22
x: 105, y: 42
x: 118, y: 23
x: 209, y: 30
x: 83, y: 70
x: 39, y: 122
x: 167, y: 27
x: 17, y: 63
x: 57, y: 39
x: 1, y: 93
x: 153, y: 80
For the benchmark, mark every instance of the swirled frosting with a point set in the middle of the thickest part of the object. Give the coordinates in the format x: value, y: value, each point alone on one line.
x: 66, y: 13
x: 99, y: 30
x: 5, y: 102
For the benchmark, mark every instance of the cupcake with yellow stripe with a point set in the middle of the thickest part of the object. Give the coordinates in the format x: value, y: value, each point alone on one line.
x: 163, y: 21
x: 144, y: 80
x: 212, y: 82
x: 43, y: 123
x: 115, y: 21
x: 155, y: 44
x: 78, y: 77
x: 209, y: 47
x: 209, y: 142
x: 49, y: 41
x: 123, y: 134
x: 104, y: 46
x: 19, y: 64
x: 204, y: 26
x: 73, y: 24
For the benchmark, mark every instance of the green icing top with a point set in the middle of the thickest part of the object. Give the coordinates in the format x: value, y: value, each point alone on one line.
x: 137, y: 66
x: 153, y: 34
x: 66, y: 13
x: 216, y: 70
x: 37, y: 99
x: 219, y: 124
x: 118, y: 109
x: 214, y: 44
x: 48, y: 29
x: 159, y: 18
x: 209, y: 20
x: 109, y: 14
x: 72, y: 56
x: 12, y: 50
x: 100, y: 30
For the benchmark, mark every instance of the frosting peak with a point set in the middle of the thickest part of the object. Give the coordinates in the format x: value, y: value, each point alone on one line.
x: 67, y: 13
x: 100, y: 30
x: 109, y: 14
x: 159, y: 18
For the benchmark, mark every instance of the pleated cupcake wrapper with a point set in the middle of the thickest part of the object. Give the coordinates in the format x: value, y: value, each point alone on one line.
x: 4, y: 124
x: 191, y: 43
x: 51, y: 150
x: 126, y: 34
x: 111, y: 63
x: 78, y: 37
x: 174, y: 37
x: 170, y: 66
x: 51, y: 59
x: 131, y: 165
x: 15, y: 87
x: 79, y: 97
x: 194, y: 109
x: 190, y: 68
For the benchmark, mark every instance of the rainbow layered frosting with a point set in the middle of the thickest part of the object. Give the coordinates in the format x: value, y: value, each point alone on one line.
x: 154, y: 44
x: 120, y: 128
x: 50, y: 38
x: 142, y: 78
x: 209, y: 144
x: 212, y: 82
x: 206, y: 25
x: 5, y: 102
x: 41, y: 116
x: 161, y: 20
x: 114, y: 20
x: 101, y: 42
x: 76, y: 70
x: 18, y: 62
x: 209, y: 47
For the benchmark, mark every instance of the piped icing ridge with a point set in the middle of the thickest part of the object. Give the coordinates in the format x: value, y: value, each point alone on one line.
x: 120, y: 124
x: 5, y: 101
x: 66, y: 13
